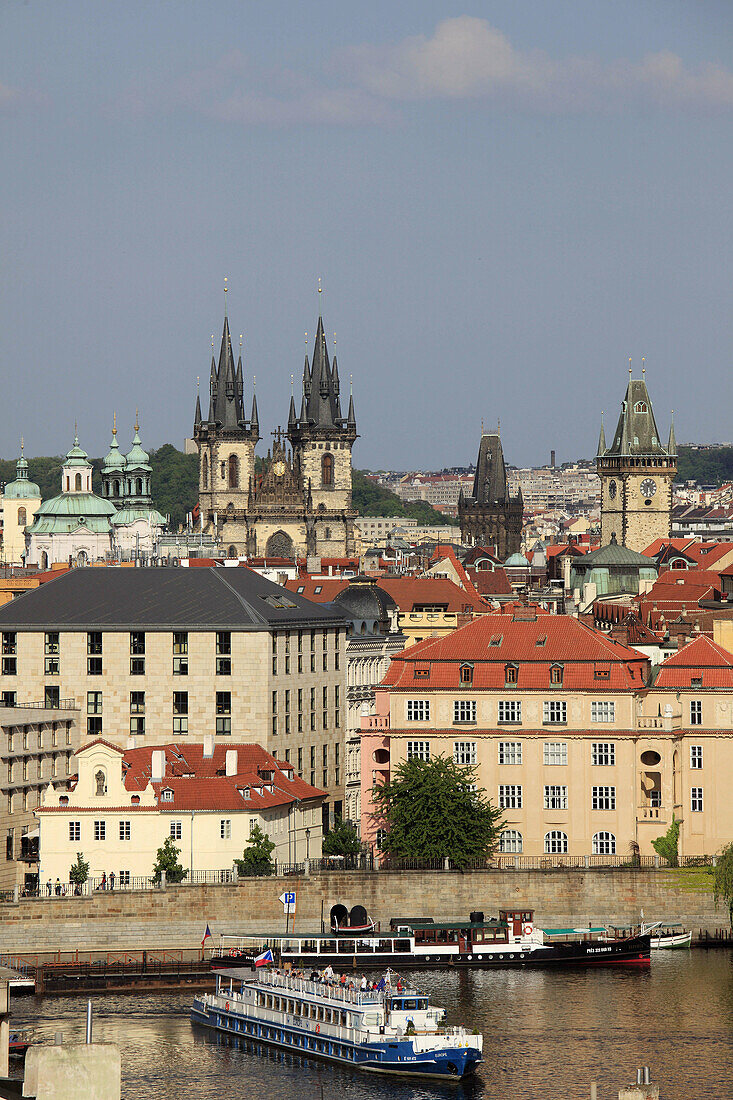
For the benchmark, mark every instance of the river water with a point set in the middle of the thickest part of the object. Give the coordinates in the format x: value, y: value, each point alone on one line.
x: 547, y: 1035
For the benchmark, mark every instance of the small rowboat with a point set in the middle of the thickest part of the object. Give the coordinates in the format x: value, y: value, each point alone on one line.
x: 670, y: 937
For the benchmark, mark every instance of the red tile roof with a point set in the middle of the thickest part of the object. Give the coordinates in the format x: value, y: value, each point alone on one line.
x: 409, y: 593
x: 701, y: 659
x: 490, y: 582
x: 590, y: 660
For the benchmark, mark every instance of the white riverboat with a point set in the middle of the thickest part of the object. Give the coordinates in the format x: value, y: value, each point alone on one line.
x: 392, y: 1029
x: 667, y: 937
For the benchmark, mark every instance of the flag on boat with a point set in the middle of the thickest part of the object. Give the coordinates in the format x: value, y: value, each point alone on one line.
x: 381, y: 985
x: 264, y: 958
x: 207, y: 936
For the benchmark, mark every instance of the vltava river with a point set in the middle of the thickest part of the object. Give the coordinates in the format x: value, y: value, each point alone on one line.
x: 546, y: 1036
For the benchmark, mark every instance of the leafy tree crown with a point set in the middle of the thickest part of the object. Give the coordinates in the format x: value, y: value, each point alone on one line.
x: 167, y: 860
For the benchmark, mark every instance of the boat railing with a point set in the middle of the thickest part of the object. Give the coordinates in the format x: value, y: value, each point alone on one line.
x: 331, y: 991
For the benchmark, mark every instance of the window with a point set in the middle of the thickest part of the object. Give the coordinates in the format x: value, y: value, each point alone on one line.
x: 556, y: 842
x: 123, y: 878
x: 100, y: 830
x: 94, y: 653
x: 233, y: 472
x: 556, y: 672
x: 94, y: 713
x: 418, y: 750
x: 8, y: 699
x: 603, y: 753
x: 51, y: 651
x: 603, y: 712
x: 180, y: 712
x: 511, y: 674
x: 176, y: 830
x: 556, y: 797
x: 555, y: 752
x: 327, y: 471
x: 418, y: 710
x: 464, y: 752
x: 166, y: 795
x: 696, y: 712
x: 464, y: 710
x: 180, y: 654
x: 52, y: 696
x: 510, y: 841
x: 554, y: 711
x: 224, y: 713
x: 696, y: 799
x: 510, y: 796
x: 137, y: 702
x: 603, y: 798
x: 94, y: 702
x: 75, y: 830
x: 325, y: 708
x: 695, y: 756
x: 137, y: 651
x: 510, y: 710
x: 300, y: 761
x: 223, y: 653
x: 124, y: 830
x: 225, y: 828
x: 466, y: 674
x: 604, y: 844
x: 510, y: 752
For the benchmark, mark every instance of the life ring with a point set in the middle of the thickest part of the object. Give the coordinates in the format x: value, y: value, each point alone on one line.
x: 226, y: 1007
x: 233, y: 952
x: 318, y: 1028
x: 528, y: 929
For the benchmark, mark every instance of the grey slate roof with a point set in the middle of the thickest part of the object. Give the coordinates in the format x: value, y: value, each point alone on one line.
x: 490, y: 481
x: 199, y: 598
x: 636, y: 432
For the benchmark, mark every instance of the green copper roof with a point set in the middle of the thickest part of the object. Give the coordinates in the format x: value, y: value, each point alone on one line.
x: 76, y: 456
x: 114, y: 460
x: 137, y: 458
x: 22, y: 488
x: 613, y: 554
x: 71, y: 510
x: 636, y: 432
x: 131, y: 513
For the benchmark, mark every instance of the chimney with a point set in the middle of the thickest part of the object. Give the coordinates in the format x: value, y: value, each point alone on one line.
x: 552, y: 459
x: 230, y: 767
x: 157, y: 765
x: 208, y: 746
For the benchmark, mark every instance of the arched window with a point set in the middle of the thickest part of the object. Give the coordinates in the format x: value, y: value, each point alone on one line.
x: 205, y: 473
x: 68, y: 485
x: 44, y: 560
x: 232, y: 552
x: 233, y: 472
x: 466, y: 674
x: 510, y: 841
x: 327, y: 470
x: 139, y: 487
x: 22, y: 520
x: 556, y: 842
x: 604, y: 844
x: 77, y: 483
x: 327, y: 533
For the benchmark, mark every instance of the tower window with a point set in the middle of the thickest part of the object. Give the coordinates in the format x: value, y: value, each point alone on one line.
x: 21, y: 517
x: 233, y: 472
x: 77, y: 483
x: 205, y: 473
x: 139, y: 486
x: 327, y: 470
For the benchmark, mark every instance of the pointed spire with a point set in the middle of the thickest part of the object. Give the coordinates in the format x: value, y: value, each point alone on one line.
x: 292, y: 421
x: 255, y: 420
x: 351, y: 418
x: 602, y: 439
x: 197, y: 415
x: 672, y: 445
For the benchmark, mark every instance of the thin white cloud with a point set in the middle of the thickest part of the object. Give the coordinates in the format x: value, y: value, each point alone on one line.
x: 467, y: 58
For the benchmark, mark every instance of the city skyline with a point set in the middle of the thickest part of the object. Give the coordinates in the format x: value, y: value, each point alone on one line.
x: 502, y: 207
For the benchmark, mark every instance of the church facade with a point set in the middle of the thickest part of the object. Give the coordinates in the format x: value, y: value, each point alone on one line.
x: 491, y: 517
x: 300, y: 504
x: 636, y: 474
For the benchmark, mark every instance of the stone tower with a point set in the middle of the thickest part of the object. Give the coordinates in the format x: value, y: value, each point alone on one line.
x: 490, y: 517
x: 636, y: 474
x: 226, y: 443
x: 322, y: 439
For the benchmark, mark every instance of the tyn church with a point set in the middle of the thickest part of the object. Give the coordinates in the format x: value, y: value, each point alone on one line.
x: 301, y: 504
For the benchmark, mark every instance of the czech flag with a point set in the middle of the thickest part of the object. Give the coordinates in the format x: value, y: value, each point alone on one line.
x: 207, y: 936
x: 264, y: 958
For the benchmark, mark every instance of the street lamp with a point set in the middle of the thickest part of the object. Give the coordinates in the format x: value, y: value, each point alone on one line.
x: 307, y: 843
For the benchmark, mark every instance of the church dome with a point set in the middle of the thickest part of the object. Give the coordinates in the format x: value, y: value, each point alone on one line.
x: 137, y: 458
x: 365, y: 602
x: 516, y: 561
x: 68, y: 511
x: 76, y: 456
x: 22, y: 488
x: 114, y: 460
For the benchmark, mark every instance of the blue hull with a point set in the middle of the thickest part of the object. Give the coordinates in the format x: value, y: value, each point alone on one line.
x: 392, y: 1058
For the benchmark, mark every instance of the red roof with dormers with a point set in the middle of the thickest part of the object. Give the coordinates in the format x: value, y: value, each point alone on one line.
x: 533, y: 644
x: 700, y: 660
x: 409, y: 593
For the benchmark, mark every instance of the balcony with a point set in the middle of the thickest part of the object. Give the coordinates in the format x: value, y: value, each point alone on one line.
x: 29, y: 849
x: 653, y: 813
x: 666, y: 723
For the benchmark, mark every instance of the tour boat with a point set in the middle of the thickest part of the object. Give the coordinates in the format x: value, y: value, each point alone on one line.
x: 667, y: 936
x: 390, y: 1029
x: 512, y: 940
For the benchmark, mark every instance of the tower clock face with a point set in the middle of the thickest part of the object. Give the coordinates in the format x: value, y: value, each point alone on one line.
x: 648, y: 487
x: 279, y: 469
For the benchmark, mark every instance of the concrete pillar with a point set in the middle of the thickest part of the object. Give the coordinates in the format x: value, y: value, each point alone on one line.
x: 446, y: 864
x: 656, y: 862
x: 587, y: 861
x: 307, y: 867
x: 16, y: 893
x: 162, y: 880
x: 76, y: 1071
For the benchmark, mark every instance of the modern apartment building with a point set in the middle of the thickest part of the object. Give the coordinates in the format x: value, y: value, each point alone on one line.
x: 163, y: 654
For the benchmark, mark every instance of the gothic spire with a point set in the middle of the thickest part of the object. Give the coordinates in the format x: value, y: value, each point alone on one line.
x: 255, y: 418
x: 292, y: 421
x: 672, y: 445
x: 351, y: 418
x: 602, y: 439
x: 212, y: 391
x: 197, y: 416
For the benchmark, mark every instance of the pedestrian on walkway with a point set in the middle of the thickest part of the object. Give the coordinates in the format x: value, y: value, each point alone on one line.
x: 111, y: 880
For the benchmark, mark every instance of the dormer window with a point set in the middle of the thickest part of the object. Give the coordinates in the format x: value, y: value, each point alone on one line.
x: 496, y: 640
x: 135, y: 800
x: 421, y: 674
x: 166, y: 795
x: 641, y: 407
x: 245, y: 792
x: 556, y: 673
x: 269, y: 788
x: 64, y: 800
x: 696, y: 681
x: 541, y: 641
x: 466, y: 674
x: 511, y: 674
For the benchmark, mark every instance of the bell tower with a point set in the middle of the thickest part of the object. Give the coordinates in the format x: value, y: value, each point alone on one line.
x: 636, y: 474
x: 322, y: 438
x: 226, y: 443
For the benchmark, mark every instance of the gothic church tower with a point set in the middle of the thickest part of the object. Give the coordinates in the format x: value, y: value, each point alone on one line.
x: 226, y: 443
x: 636, y: 474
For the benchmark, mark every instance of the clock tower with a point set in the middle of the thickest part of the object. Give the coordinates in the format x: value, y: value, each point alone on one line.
x: 636, y: 474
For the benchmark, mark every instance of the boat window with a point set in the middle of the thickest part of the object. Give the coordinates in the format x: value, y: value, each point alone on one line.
x: 385, y: 945
x: 402, y: 945
x: 344, y: 1019
x: 409, y: 1004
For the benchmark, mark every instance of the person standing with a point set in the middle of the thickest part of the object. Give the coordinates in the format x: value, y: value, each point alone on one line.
x: 111, y: 880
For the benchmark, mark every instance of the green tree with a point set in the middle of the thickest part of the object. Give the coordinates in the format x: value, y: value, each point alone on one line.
x: 166, y: 859
x: 257, y: 857
x: 371, y: 499
x: 79, y: 871
x: 343, y: 840
x: 667, y: 845
x: 429, y: 810
x: 723, y: 879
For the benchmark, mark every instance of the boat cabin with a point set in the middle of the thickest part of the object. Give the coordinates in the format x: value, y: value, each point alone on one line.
x: 521, y: 921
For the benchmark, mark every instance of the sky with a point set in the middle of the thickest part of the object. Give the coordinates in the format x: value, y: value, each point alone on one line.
x: 505, y: 202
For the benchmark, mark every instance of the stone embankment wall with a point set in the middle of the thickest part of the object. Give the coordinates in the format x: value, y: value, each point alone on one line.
x: 176, y: 917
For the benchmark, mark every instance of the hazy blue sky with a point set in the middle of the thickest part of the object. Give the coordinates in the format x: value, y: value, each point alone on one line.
x: 505, y: 201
